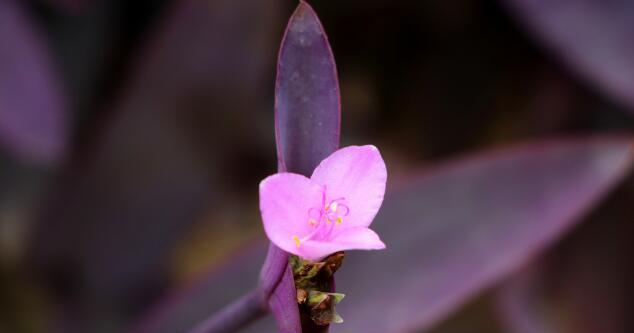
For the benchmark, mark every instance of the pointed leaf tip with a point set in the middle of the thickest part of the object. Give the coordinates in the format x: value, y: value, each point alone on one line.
x: 307, y: 100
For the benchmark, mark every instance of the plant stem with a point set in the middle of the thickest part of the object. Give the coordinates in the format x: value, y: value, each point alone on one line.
x: 234, y: 316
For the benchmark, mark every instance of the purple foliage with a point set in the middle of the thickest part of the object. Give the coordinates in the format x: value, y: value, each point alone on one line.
x: 453, y: 231
x: 307, y: 101
x: 593, y: 37
x: 283, y: 304
x: 211, y: 293
x: 277, y: 287
x: 151, y: 172
x: 148, y: 167
x: 34, y: 124
x: 472, y: 223
x: 236, y: 315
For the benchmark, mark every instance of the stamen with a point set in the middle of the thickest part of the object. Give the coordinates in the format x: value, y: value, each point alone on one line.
x: 297, y: 242
x: 324, y: 220
x: 343, y: 210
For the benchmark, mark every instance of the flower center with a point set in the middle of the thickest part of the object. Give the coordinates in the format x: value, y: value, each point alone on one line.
x: 324, y: 219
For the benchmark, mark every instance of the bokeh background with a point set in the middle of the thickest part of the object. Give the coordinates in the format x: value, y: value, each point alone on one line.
x: 162, y: 126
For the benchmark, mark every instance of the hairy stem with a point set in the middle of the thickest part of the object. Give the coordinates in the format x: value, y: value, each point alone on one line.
x: 234, y: 316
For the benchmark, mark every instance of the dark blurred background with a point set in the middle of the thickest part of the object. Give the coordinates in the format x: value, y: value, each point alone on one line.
x: 169, y: 113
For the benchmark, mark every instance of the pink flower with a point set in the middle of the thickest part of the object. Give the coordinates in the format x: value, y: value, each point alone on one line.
x: 330, y: 211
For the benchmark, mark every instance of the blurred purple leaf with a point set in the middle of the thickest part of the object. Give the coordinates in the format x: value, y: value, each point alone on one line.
x: 183, y: 309
x: 307, y: 122
x: 234, y: 316
x: 455, y: 230
x: 159, y: 157
x: 592, y: 37
x: 34, y: 124
x: 461, y: 228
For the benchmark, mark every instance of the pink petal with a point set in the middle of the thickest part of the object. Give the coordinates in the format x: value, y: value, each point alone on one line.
x: 356, y: 238
x: 358, y: 174
x: 285, y: 199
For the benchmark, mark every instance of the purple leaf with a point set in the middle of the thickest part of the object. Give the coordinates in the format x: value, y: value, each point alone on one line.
x: 153, y: 171
x: 593, y: 37
x: 274, y: 265
x: 283, y: 304
x: 460, y: 228
x: 307, y: 101
x: 307, y: 122
x: 183, y: 309
x: 277, y: 286
x: 33, y: 120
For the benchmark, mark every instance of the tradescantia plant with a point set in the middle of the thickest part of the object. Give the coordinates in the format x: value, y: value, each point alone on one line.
x: 442, y: 230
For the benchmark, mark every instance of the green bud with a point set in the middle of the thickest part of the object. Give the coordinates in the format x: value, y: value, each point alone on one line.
x: 322, y: 307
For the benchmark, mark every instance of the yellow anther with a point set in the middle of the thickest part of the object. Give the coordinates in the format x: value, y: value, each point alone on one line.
x: 297, y: 242
x: 328, y: 221
x: 339, y: 221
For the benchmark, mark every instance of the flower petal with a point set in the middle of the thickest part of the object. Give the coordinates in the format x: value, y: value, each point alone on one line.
x: 285, y: 199
x: 358, y: 174
x: 355, y: 238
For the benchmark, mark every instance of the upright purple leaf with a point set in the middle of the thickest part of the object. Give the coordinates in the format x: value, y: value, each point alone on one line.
x: 307, y: 101
x: 593, y: 37
x: 458, y: 229
x: 33, y: 120
x: 307, y: 122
